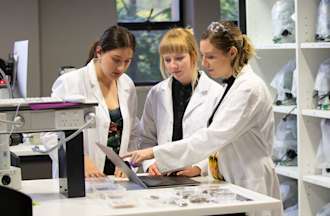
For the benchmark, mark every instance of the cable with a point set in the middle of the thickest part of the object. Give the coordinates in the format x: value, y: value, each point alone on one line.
x: 63, y: 141
x: 13, y: 123
x: 16, y: 113
x: 289, y: 113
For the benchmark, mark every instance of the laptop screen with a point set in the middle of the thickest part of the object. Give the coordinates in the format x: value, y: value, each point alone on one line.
x: 120, y: 163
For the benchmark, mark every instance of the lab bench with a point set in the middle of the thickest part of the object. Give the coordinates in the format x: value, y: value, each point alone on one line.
x: 48, y: 201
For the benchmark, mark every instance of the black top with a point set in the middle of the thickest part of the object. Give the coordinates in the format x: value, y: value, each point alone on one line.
x: 229, y: 83
x: 114, y: 138
x: 181, y: 95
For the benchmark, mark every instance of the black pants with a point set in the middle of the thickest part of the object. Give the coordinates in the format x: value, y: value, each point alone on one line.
x: 109, y: 167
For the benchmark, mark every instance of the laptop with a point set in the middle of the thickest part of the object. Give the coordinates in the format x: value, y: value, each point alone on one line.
x: 146, y: 181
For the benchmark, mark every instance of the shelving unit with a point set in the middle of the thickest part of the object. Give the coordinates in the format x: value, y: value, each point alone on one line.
x: 275, y: 46
x: 316, y: 113
x: 319, y: 180
x: 285, y: 109
x: 315, y: 45
x: 287, y: 171
x: 313, y: 188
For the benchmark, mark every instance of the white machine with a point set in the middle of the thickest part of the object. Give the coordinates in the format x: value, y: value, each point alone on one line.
x: 9, y: 176
x: 35, y: 115
x: 24, y: 114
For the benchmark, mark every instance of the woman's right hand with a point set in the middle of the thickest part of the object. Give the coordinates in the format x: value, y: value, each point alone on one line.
x: 153, y: 170
x: 91, y: 170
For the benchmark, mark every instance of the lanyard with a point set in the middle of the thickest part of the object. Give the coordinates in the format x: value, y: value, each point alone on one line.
x: 230, y: 81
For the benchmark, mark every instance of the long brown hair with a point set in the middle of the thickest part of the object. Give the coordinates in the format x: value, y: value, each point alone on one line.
x: 225, y: 35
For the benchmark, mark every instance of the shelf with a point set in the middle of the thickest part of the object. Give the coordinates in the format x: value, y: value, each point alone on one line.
x: 288, y: 171
x: 285, y: 109
x: 316, y: 113
x: 319, y: 180
x: 316, y: 45
x: 275, y: 46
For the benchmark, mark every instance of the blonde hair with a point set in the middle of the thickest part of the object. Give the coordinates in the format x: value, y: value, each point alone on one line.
x: 179, y: 40
x: 225, y: 35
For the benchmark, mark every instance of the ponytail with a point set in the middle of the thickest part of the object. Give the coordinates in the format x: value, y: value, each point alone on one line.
x: 244, y: 54
x: 92, y: 52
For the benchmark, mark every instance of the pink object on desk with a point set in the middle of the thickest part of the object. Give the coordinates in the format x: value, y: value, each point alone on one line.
x: 42, y: 106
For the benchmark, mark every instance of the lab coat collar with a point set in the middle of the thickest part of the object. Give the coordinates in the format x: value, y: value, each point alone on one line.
x: 196, y: 99
x: 245, y: 70
x: 198, y: 96
x: 94, y: 84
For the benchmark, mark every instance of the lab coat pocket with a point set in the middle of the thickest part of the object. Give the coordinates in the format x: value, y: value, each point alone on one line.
x: 254, y: 184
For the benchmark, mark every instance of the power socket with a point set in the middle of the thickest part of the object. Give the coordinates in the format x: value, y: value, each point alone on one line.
x: 69, y: 119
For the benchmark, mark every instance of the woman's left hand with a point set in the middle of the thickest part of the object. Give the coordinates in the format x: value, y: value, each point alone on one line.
x: 119, y: 173
x: 137, y: 157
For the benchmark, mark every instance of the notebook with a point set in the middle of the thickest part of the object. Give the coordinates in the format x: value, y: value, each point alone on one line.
x: 145, y: 181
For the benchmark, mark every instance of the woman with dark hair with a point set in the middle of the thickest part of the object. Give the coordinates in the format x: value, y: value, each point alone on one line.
x: 240, y: 132
x: 103, y: 80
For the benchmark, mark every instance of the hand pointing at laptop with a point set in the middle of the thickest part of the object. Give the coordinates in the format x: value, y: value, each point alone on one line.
x: 137, y: 157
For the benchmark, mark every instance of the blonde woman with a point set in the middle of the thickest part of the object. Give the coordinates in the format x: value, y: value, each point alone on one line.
x: 181, y: 104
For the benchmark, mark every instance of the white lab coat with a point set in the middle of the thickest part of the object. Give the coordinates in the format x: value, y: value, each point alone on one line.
x: 157, y: 118
x: 84, y: 82
x: 242, y: 131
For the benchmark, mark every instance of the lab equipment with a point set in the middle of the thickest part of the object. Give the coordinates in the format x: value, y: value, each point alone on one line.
x: 284, y: 83
x: 285, y: 143
x: 21, y: 52
x: 323, y: 21
x: 323, y: 152
x: 202, y: 194
x: 289, y: 192
x: 5, y: 83
x: 9, y: 176
x: 23, y: 119
x: 282, y: 22
x: 322, y: 86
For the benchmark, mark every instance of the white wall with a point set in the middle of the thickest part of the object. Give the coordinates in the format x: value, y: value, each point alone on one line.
x: 67, y: 30
x: 19, y: 20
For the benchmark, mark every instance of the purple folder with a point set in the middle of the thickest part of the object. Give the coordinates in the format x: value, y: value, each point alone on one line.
x: 42, y: 106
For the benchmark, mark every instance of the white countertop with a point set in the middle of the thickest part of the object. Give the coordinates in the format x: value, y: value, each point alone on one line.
x: 50, y: 202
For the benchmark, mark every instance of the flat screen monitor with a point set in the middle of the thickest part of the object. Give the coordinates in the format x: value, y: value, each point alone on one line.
x: 21, y: 59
